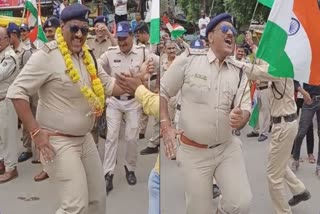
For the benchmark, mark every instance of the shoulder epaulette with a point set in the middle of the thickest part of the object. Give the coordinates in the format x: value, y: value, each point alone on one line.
x: 9, y: 53
x: 49, y: 46
x: 235, y: 63
x: 90, y: 37
x: 112, y: 48
x: 196, y: 51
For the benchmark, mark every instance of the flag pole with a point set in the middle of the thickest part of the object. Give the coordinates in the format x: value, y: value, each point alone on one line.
x: 23, y: 13
x: 254, y: 57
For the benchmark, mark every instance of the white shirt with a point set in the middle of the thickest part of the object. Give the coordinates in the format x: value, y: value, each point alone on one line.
x: 203, y: 21
x: 120, y: 9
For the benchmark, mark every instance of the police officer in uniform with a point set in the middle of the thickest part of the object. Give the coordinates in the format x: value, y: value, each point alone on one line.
x: 50, y: 26
x: 9, y: 68
x: 98, y: 45
x: 15, y: 41
x: 103, y: 38
x: 126, y: 57
x: 64, y: 115
x: 285, y: 126
x: 211, y: 87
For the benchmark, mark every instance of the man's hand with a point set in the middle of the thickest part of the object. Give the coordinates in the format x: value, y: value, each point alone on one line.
x: 128, y: 83
x: 43, y: 145
x: 306, y: 97
x: 169, y: 138
x: 236, y: 118
x: 148, y: 67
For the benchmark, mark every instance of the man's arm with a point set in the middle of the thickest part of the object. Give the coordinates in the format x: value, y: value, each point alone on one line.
x: 305, y: 94
x: 7, y: 67
x: 111, y: 88
x: 149, y: 101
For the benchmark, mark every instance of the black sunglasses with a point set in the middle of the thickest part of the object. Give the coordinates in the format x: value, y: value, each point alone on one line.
x: 75, y: 28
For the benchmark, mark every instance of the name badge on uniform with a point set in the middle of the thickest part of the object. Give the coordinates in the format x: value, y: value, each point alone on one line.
x: 200, y: 76
x: 117, y: 60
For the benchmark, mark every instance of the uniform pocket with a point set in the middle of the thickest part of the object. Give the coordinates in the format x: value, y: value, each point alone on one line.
x: 198, y: 88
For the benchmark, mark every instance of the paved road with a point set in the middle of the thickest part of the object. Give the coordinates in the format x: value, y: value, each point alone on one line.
x: 255, y: 153
x: 123, y: 199
x: 134, y: 199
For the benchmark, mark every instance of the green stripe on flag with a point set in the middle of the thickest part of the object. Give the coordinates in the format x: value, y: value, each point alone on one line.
x: 155, y: 31
x: 41, y: 34
x: 272, y: 50
x: 29, y: 6
x: 267, y: 3
x: 254, y: 119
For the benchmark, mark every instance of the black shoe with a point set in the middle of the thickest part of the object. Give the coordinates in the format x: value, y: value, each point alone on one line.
x: 109, y: 184
x: 300, y: 197
x: 262, y: 138
x: 24, y: 156
x: 253, y: 134
x: 141, y: 136
x: 216, y: 191
x: 131, y: 177
x: 149, y: 150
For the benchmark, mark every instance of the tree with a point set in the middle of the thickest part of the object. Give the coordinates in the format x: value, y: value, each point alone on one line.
x: 241, y: 10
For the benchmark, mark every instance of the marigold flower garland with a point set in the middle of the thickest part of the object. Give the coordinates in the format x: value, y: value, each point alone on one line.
x: 96, y: 96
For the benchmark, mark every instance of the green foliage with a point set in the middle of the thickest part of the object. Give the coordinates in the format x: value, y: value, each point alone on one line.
x: 242, y: 10
x: 240, y: 39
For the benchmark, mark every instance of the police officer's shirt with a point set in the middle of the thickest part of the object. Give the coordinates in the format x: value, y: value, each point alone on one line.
x: 98, y: 47
x: 207, y: 91
x: 279, y: 107
x: 62, y: 107
x: 9, y: 68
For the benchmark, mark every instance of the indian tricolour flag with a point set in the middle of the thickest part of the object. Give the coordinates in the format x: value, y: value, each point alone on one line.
x: 254, y: 118
x: 290, y: 42
x: 155, y: 22
x: 32, y: 17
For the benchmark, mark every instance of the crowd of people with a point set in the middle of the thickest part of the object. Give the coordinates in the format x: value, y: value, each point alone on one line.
x: 77, y: 84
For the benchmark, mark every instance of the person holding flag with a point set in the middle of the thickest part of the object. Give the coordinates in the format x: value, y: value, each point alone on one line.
x: 207, y: 149
x: 278, y: 65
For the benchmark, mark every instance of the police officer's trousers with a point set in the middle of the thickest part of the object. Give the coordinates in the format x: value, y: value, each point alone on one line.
x: 264, y: 110
x: 131, y: 110
x: 226, y: 164
x: 278, y: 171
x: 8, y: 134
x: 77, y: 171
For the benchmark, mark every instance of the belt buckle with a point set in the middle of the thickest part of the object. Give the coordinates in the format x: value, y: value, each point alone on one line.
x: 317, y: 98
x: 123, y: 98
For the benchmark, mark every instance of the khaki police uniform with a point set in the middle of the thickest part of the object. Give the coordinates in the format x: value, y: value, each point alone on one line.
x: 62, y: 108
x: 9, y: 69
x: 154, y: 141
x: 98, y: 47
x: 27, y: 51
x: 264, y: 96
x: 115, y: 62
x: 284, y: 131
x: 207, y: 91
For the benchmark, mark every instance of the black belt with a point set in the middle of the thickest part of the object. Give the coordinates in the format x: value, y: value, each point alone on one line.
x: 262, y: 88
x: 2, y: 99
x: 124, y: 97
x: 287, y: 119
